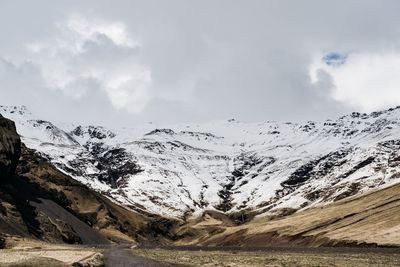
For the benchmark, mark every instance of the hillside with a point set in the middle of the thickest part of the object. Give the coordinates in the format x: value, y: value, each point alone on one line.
x: 42, y: 201
x: 368, y: 220
x: 237, y: 168
x: 38, y: 201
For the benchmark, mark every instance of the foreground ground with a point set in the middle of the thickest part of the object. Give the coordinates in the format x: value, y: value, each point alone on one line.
x: 276, y: 257
x: 121, y: 256
x: 25, y: 252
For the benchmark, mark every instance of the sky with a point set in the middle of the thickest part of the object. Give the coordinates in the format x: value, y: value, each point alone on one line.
x: 126, y: 62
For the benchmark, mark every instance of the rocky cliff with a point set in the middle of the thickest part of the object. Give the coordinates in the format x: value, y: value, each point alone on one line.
x: 10, y: 147
x: 38, y: 201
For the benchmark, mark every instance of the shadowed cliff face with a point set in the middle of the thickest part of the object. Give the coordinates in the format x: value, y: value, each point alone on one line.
x: 10, y: 150
x: 10, y: 147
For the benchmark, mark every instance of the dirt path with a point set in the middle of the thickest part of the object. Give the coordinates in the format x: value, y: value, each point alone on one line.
x: 121, y: 256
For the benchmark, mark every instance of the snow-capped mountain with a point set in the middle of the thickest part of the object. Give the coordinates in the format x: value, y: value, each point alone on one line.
x: 229, y: 166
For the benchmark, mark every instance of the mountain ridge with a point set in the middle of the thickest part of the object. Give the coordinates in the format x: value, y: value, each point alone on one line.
x: 232, y: 167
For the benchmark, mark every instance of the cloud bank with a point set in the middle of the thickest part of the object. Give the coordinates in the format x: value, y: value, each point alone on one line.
x: 129, y: 62
x: 364, y: 81
x: 87, y: 54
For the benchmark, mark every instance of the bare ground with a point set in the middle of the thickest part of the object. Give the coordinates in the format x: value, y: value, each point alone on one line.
x: 28, y: 252
x: 277, y: 257
x: 121, y: 256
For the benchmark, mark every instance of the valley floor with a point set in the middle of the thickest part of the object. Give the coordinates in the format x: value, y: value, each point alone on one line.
x: 276, y: 257
x: 26, y: 252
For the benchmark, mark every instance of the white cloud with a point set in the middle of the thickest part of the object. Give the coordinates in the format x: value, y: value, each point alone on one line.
x: 365, y: 81
x: 246, y: 60
x: 85, y: 54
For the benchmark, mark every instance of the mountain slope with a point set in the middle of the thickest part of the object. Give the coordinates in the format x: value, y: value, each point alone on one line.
x: 371, y: 219
x: 229, y: 166
x: 39, y: 201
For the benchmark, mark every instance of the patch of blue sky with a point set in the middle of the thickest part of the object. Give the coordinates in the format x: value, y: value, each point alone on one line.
x: 335, y: 59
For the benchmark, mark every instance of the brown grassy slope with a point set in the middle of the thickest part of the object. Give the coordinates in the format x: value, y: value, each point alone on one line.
x: 372, y: 219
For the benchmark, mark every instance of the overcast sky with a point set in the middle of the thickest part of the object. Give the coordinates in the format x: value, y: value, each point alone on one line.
x: 128, y: 62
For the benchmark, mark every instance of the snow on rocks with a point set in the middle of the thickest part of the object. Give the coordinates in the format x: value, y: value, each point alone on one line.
x: 179, y: 170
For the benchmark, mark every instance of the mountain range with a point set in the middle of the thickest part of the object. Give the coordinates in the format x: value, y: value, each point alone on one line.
x: 236, y: 168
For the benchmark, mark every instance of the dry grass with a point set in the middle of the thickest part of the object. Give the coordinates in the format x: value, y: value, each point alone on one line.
x: 208, y: 221
x: 27, y: 252
x: 36, y: 262
x: 261, y: 258
x: 116, y: 236
x: 372, y: 218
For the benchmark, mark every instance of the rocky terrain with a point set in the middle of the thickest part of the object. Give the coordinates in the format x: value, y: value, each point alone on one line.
x: 38, y: 201
x: 237, y: 168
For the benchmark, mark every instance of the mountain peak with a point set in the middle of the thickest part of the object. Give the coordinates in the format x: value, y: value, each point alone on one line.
x: 15, y: 110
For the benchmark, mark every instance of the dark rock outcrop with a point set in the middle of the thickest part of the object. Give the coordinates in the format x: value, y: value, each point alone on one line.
x: 10, y: 147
